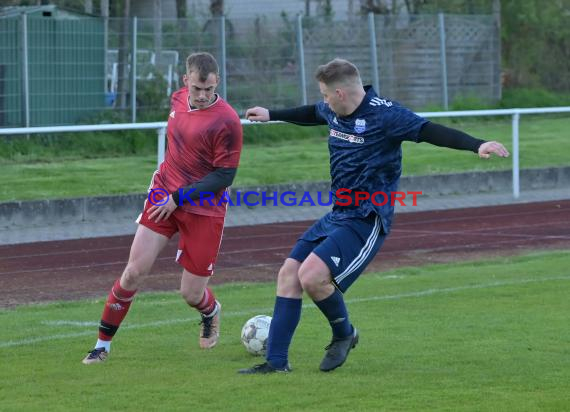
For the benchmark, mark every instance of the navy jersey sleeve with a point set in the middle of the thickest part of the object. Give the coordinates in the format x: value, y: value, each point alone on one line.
x: 440, y: 135
x: 322, y: 111
x: 401, y: 124
x: 302, y: 115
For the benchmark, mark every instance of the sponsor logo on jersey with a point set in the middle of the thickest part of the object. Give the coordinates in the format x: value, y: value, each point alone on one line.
x: 172, y: 114
x: 376, y: 101
x: 359, y: 125
x: 334, y: 120
x: 348, y: 137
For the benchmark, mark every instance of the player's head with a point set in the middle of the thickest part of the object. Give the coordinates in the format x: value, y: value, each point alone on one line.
x: 201, y: 78
x: 341, y: 86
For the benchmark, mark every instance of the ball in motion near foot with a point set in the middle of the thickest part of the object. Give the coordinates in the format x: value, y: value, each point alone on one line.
x: 254, y: 334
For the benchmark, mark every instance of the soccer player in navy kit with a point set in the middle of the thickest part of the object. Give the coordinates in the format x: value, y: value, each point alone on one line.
x: 366, y: 133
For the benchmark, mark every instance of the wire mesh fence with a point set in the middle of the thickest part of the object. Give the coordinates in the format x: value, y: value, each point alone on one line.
x: 71, y: 69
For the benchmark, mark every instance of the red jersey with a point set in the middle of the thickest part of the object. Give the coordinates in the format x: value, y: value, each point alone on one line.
x: 199, y: 141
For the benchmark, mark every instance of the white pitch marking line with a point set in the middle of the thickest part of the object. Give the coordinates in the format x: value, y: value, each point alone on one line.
x: 68, y: 323
x: 421, y: 293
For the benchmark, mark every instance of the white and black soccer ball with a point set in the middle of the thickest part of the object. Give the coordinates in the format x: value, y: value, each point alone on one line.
x: 254, y: 334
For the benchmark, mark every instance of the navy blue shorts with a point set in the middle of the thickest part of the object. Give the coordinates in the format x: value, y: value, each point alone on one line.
x: 345, y: 245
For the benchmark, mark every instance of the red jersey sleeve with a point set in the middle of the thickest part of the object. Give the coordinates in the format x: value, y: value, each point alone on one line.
x: 228, y: 144
x: 179, y: 100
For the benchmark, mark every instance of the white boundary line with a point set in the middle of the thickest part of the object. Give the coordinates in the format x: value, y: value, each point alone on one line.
x: 69, y: 323
x: 421, y: 293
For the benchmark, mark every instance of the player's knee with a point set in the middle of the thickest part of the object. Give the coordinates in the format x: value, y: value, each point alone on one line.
x: 288, y: 281
x: 131, y: 277
x: 310, y: 280
x: 288, y: 271
x: 192, y: 297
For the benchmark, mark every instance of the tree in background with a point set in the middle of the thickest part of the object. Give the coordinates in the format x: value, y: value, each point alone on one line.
x: 182, y: 20
x: 325, y: 10
x: 217, y: 7
x: 213, y: 23
x: 536, y: 43
x: 181, y: 14
x: 374, y: 6
x: 157, y: 24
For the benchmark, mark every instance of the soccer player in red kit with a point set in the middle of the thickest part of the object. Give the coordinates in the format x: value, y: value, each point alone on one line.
x: 204, y: 146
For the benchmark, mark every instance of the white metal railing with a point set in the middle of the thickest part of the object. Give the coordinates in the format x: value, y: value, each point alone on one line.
x: 161, y: 130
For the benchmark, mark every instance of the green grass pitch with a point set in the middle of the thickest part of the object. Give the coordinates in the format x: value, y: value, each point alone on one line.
x: 281, y: 154
x: 477, y: 336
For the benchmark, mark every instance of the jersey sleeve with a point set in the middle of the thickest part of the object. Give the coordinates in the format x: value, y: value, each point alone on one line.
x: 179, y: 100
x: 301, y: 115
x: 321, y: 111
x: 401, y: 124
x: 228, y: 144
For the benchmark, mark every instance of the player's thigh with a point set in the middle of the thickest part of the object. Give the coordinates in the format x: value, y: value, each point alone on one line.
x: 350, y: 248
x: 166, y: 227
x: 312, y: 237
x: 146, y: 246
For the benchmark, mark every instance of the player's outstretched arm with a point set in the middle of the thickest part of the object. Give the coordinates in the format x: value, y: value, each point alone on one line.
x: 489, y: 148
x: 302, y: 115
x: 444, y: 136
x: 257, y: 114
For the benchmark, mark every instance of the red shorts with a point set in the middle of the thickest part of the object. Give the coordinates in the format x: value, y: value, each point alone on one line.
x: 200, y: 238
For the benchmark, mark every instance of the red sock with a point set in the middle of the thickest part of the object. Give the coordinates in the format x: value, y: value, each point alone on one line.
x: 207, y: 304
x: 116, y: 308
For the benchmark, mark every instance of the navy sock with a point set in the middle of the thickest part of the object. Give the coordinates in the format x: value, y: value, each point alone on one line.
x: 335, y: 311
x: 286, y: 316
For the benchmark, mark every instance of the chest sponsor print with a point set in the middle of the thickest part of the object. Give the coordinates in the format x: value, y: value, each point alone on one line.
x: 347, y: 137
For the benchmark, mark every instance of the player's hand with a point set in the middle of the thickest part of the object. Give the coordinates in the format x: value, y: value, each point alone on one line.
x: 488, y: 148
x: 161, y: 212
x: 257, y: 114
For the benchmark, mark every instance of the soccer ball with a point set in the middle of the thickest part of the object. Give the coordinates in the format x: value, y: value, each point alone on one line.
x: 254, y: 334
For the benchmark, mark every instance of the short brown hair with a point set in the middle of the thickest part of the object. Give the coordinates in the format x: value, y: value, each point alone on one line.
x: 337, y: 71
x: 202, y: 63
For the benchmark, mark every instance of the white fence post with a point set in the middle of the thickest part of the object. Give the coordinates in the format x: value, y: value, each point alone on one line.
x: 223, y: 64
x: 301, y: 63
x: 134, y: 72
x: 161, y: 145
x: 443, y: 56
x: 373, y: 52
x: 516, y: 182
x: 25, y: 72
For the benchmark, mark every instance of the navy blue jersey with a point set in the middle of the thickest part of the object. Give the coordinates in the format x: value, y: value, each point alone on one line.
x: 365, y: 152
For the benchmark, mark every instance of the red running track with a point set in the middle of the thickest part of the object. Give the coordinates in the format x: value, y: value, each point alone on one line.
x: 72, y: 269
